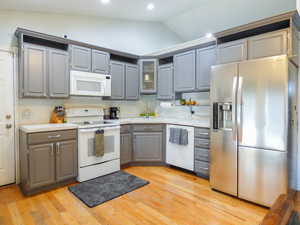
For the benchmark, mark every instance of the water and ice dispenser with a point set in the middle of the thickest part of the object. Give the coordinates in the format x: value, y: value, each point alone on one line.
x: 222, y: 115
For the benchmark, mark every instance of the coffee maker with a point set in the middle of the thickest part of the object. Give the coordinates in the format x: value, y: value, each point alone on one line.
x: 113, y: 113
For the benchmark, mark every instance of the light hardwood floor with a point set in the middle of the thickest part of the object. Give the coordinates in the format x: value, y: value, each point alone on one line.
x: 172, y: 197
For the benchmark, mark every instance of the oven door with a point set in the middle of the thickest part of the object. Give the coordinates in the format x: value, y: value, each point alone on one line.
x: 86, y: 145
x: 89, y: 84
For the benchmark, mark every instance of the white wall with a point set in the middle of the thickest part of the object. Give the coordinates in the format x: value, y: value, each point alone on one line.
x: 214, y: 16
x: 124, y: 35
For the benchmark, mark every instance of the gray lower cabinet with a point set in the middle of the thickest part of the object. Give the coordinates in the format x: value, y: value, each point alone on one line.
x: 41, y: 165
x: 100, y: 62
x: 234, y: 51
x: 202, y: 152
x: 44, y: 72
x: 117, y: 71
x: 66, y: 160
x: 185, y: 71
x: 132, y: 82
x: 165, y: 87
x: 270, y: 44
x: 148, y: 147
x: 34, y: 71
x: 126, y: 148
x: 205, y: 58
x: 81, y: 58
x: 59, y: 74
x: 47, y: 159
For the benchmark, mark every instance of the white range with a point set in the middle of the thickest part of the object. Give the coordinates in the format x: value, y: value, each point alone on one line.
x: 89, y: 120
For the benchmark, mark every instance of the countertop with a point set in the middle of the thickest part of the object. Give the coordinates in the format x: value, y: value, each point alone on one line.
x: 47, y: 127
x: 204, y: 123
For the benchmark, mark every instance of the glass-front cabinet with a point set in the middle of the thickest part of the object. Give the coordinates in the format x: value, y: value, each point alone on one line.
x: 148, y: 77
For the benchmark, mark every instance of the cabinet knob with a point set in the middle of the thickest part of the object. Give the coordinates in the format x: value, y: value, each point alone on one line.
x: 8, y: 116
x: 8, y: 126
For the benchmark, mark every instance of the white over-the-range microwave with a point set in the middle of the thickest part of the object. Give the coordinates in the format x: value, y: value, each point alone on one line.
x: 89, y: 84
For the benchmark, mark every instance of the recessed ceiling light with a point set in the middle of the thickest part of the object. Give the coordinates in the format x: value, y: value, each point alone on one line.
x: 105, y: 1
x: 150, y: 6
x: 209, y: 35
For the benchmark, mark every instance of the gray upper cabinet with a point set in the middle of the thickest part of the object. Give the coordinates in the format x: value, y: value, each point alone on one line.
x: 206, y: 57
x: 81, y: 58
x: 295, y: 45
x: 148, y: 147
x: 132, y: 82
x: 235, y: 51
x: 59, y: 74
x: 66, y: 160
x: 41, y: 165
x: 34, y: 71
x: 117, y: 70
x: 165, y: 88
x: 148, y: 76
x: 185, y: 71
x: 100, y: 62
x: 126, y: 149
x: 270, y: 44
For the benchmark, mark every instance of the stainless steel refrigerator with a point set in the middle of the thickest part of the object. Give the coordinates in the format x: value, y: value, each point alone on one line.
x: 253, y: 106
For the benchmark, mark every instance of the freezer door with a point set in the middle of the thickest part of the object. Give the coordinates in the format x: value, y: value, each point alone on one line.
x: 262, y: 175
x: 262, y: 103
x: 223, y: 166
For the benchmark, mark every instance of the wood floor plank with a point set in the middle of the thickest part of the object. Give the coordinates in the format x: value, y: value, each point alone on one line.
x: 173, y: 197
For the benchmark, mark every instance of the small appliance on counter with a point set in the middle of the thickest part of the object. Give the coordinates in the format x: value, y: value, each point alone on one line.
x: 58, y: 115
x: 113, y: 113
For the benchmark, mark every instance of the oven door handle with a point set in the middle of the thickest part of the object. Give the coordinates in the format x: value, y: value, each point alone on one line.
x: 88, y: 130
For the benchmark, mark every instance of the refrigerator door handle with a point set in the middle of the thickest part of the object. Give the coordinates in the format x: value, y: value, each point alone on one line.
x: 215, y: 116
x: 239, y: 105
x: 234, y: 112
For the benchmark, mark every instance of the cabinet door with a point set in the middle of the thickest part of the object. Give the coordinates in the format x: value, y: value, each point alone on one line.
x: 59, y: 74
x: 295, y: 45
x: 132, y: 82
x: 185, y: 71
x: 41, y: 165
x: 165, y: 90
x: 270, y: 44
x: 206, y: 57
x: 235, y: 51
x: 126, y: 149
x: 148, y: 77
x: 66, y: 160
x: 100, y: 62
x: 35, y: 71
x: 81, y: 58
x: 148, y: 147
x: 117, y: 71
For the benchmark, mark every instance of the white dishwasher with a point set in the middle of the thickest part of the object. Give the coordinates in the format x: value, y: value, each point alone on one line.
x: 180, y: 155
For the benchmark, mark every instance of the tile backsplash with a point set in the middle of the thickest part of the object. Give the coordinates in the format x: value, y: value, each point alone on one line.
x: 35, y: 111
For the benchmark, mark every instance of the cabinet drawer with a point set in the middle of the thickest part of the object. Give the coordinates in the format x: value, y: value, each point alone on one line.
x: 202, y: 168
x: 53, y: 136
x: 202, y: 133
x: 201, y: 143
x: 202, y: 154
x: 148, y: 128
x: 125, y: 129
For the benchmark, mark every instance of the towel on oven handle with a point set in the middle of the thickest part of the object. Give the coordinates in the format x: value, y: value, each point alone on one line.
x: 99, y: 143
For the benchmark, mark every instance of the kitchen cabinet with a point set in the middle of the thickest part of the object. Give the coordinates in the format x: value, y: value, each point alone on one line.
x: 201, y: 151
x: 117, y: 70
x: 81, y: 58
x: 234, y: 51
x: 126, y: 149
x: 47, y: 159
x: 59, y: 74
x: 165, y: 84
x: 148, y: 76
x: 45, y: 72
x: 269, y: 44
x: 132, y: 82
x: 41, y: 165
x: 147, y: 147
x: 66, y: 160
x: 34, y: 71
x: 185, y: 71
x: 100, y: 62
x: 205, y: 58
